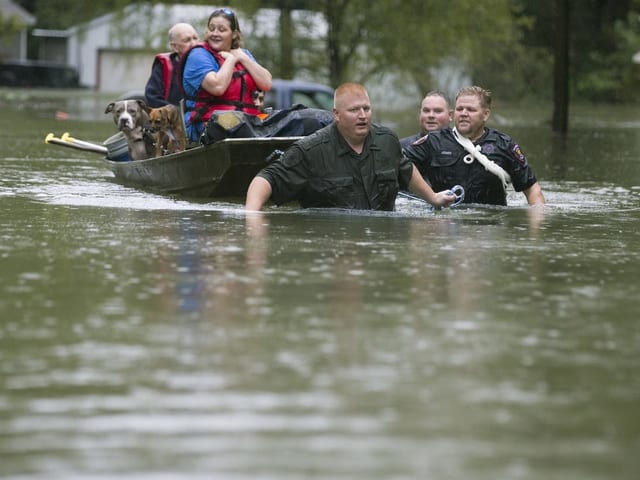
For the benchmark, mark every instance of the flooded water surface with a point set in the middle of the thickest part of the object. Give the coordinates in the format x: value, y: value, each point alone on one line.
x: 147, y: 336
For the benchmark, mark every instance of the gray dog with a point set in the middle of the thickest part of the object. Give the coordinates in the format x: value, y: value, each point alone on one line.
x: 131, y: 118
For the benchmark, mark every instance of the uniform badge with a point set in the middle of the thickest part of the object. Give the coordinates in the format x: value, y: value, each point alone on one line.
x: 487, y: 148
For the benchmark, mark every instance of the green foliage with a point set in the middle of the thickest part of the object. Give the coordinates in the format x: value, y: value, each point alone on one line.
x: 503, y: 64
x: 603, y: 37
x: 62, y: 14
x: 9, y: 27
x: 504, y: 45
x: 611, y: 76
x: 308, y: 55
x: 526, y: 73
x: 432, y: 42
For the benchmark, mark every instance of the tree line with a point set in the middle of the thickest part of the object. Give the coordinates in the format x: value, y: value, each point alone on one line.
x: 511, y: 46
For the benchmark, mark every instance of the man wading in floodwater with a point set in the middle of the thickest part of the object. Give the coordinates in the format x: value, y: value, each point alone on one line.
x: 349, y: 164
x: 482, y: 160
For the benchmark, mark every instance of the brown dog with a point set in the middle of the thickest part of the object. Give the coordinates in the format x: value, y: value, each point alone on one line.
x: 169, y: 130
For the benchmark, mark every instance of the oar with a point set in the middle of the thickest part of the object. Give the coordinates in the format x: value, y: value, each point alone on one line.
x: 90, y: 145
x: 78, y: 145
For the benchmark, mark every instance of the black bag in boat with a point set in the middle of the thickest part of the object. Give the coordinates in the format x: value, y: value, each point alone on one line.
x: 295, y: 121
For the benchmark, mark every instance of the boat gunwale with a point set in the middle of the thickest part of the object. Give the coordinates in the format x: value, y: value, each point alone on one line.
x: 213, y: 146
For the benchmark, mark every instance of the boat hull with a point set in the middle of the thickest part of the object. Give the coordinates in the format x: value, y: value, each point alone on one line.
x: 222, y: 169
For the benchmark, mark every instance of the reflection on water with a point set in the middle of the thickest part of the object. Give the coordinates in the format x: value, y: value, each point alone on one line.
x: 153, y: 337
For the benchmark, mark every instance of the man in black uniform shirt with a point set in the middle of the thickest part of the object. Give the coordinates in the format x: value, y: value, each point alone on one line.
x: 482, y: 160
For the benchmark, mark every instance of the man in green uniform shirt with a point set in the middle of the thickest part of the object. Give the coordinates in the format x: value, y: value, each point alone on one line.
x: 351, y: 163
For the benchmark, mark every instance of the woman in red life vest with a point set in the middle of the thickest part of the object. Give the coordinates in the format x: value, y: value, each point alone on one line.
x: 218, y: 74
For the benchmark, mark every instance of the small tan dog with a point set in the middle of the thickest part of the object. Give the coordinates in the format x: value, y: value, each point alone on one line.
x: 168, y: 128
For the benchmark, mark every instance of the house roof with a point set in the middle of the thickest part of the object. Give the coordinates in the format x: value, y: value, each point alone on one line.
x: 8, y: 9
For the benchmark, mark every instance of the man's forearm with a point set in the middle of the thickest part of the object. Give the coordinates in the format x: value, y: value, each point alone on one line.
x: 258, y: 193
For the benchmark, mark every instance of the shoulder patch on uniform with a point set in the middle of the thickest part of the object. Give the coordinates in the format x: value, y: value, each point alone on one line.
x: 291, y: 157
x: 517, y: 152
